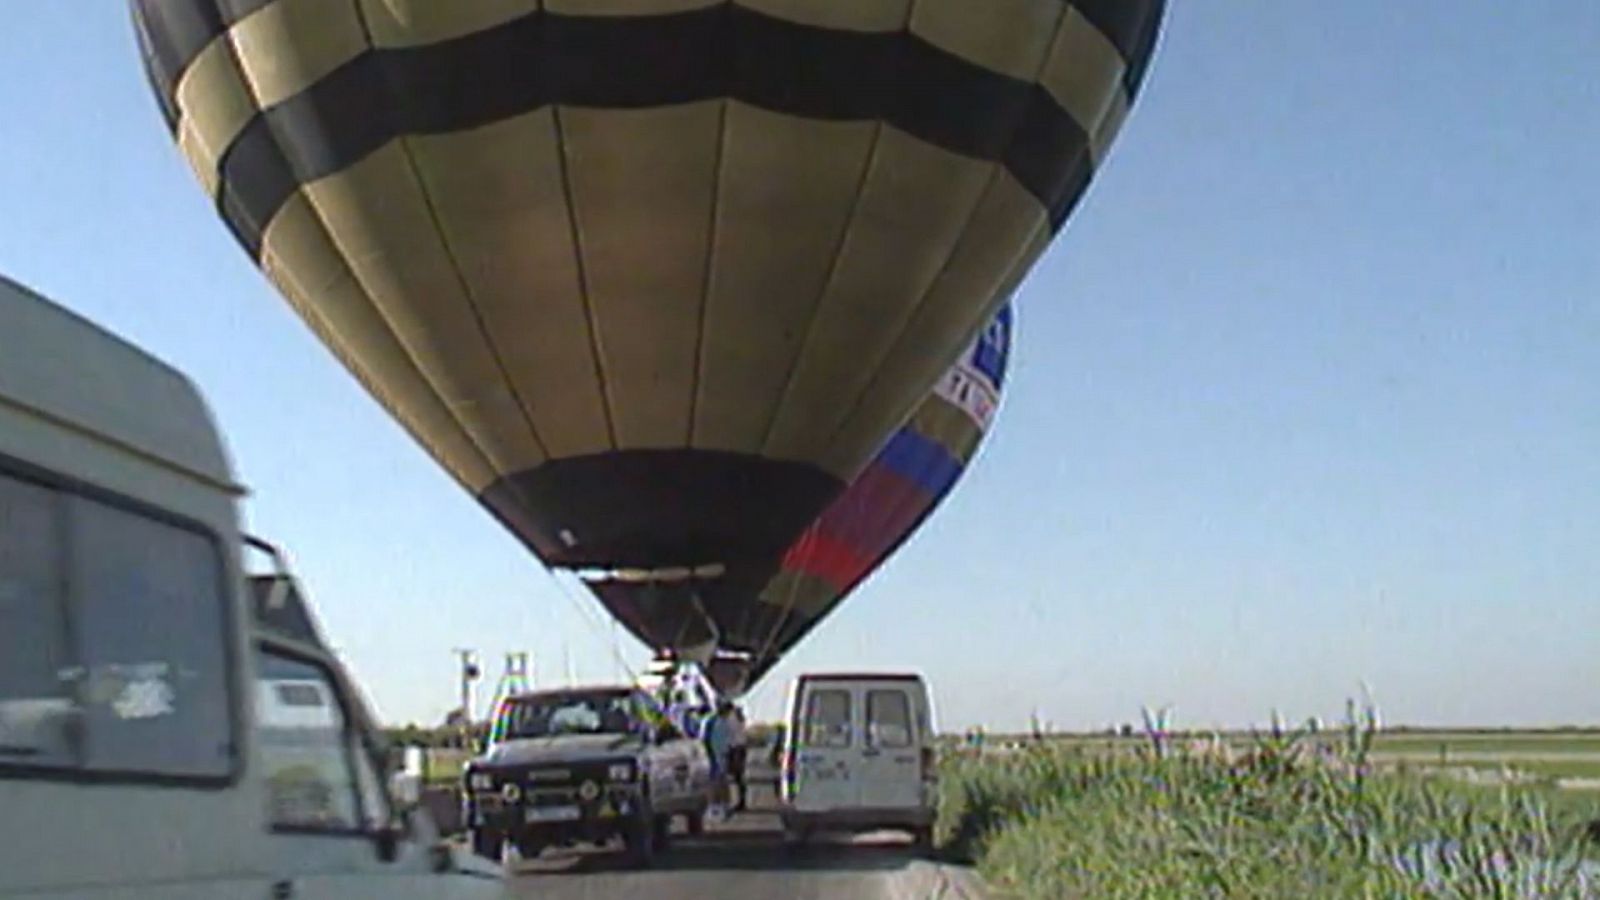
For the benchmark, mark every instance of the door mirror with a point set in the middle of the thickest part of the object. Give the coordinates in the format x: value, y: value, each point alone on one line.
x: 405, y: 791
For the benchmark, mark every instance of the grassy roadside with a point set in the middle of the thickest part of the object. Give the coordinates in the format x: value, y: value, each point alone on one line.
x: 1286, y: 817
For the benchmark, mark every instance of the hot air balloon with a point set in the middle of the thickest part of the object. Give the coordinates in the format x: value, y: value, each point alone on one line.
x: 857, y: 532
x: 653, y: 280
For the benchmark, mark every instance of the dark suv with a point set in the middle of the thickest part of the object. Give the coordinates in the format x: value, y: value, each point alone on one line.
x: 583, y: 765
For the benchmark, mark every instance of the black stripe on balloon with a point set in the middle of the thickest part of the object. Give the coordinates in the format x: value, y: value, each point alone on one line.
x: 184, y: 28
x: 175, y: 33
x: 1131, y: 29
x: 646, y: 509
x: 639, y: 62
x: 148, y: 53
x: 171, y: 35
x: 1140, y: 54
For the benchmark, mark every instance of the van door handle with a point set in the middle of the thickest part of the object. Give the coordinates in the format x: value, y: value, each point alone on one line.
x: 282, y: 890
x: 871, y: 751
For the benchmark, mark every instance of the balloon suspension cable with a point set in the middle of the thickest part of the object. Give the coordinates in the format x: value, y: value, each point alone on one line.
x: 786, y: 610
x: 683, y: 627
x: 596, y: 629
x: 711, y: 624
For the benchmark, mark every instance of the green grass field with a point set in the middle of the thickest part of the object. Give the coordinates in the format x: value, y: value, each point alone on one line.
x: 1526, y: 742
x: 1571, y: 753
x: 1351, y: 813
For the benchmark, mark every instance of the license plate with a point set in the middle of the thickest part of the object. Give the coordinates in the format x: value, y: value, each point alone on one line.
x: 552, y: 813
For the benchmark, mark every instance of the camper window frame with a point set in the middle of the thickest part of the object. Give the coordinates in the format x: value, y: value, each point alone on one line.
x: 61, y: 483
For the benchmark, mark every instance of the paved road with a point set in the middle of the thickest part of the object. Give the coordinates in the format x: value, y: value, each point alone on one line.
x: 744, y: 857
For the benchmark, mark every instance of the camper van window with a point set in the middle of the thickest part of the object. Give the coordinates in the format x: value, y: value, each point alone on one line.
x: 148, y: 622
x: 34, y: 702
x: 828, y: 719
x: 888, y: 719
x: 116, y: 659
x: 318, y: 777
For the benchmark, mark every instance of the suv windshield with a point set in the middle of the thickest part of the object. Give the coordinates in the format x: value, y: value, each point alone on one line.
x: 609, y: 712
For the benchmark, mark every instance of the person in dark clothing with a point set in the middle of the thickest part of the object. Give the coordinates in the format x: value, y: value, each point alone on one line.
x: 738, y: 749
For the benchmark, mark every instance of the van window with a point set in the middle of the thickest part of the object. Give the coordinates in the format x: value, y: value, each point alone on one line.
x: 319, y: 776
x: 116, y: 640
x: 34, y: 702
x: 149, y: 623
x: 888, y: 719
x: 827, y: 722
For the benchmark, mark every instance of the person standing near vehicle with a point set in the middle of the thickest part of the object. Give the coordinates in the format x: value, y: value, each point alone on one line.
x: 719, y: 741
x: 738, y: 748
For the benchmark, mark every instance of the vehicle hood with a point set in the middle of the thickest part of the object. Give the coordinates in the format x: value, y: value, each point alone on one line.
x: 565, y: 748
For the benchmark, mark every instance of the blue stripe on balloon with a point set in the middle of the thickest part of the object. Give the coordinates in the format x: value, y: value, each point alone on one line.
x: 923, y: 461
x: 994, y: 345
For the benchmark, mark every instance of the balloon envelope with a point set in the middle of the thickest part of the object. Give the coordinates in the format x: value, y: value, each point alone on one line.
x: 652, y: 279
x: 857, y: 532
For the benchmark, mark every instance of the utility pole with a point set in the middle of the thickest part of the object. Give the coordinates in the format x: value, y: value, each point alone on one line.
x: 514, y: 680
x: 469, y: 673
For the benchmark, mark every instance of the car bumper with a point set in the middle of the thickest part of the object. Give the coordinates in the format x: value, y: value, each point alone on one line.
x: 613, y: 807
x: 858, y: 819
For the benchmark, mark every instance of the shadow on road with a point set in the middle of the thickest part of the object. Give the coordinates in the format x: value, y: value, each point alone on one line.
x: 748, y: 842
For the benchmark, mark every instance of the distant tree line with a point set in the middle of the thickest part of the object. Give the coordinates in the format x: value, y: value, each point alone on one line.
x: 438, y: 737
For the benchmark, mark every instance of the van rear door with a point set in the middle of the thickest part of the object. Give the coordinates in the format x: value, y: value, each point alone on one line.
x: 891, y: 768
x: 827, y: 748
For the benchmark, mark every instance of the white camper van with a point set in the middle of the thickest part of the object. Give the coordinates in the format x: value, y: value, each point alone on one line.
x: 858, y: 755
x: 169, y: 726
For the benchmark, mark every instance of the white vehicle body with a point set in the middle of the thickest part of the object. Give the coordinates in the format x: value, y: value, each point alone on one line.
x: 133, y: 763
x: 541, y: 783
x: 858, y: 754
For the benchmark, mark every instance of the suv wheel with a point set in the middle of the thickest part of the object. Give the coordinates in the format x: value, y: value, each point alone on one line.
x: 639, y: 838
x: 529, y: 847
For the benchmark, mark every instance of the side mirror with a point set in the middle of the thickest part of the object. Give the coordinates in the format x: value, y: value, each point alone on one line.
x: 405, y: 791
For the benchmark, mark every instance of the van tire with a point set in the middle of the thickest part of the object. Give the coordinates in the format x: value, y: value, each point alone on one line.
x: 796, y: 837
x: 922, y: 841
x: 488, y: 843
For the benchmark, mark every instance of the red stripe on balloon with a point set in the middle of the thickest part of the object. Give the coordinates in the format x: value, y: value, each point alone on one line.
x: 823, y: 557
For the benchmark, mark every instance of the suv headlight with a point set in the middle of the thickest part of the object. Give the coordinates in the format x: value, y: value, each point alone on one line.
x: 480, y: 781
x: 620, y: 772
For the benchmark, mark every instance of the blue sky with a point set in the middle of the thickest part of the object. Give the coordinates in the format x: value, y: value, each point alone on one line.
x: 1308, y: 393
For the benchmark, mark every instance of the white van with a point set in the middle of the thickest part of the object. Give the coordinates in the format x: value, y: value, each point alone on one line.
x: 170, y: 727
x: 858, y: 755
